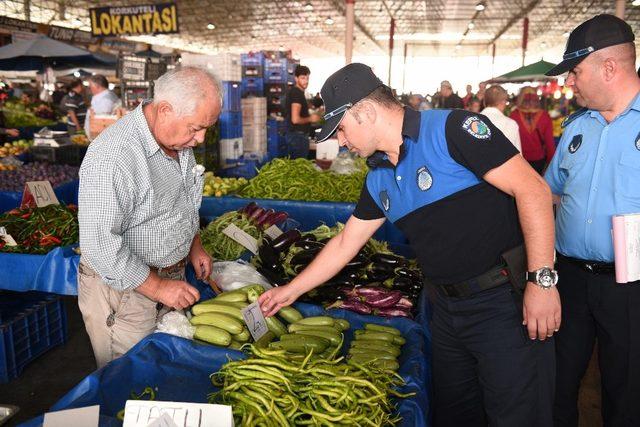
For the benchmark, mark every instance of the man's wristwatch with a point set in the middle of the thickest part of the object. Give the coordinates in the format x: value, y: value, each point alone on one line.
x: 544, y: 277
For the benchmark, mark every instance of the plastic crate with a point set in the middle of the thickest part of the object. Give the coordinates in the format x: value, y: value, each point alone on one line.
x: 231, y: 93
x: 230, y: 124
x: 244, y: 169
x: 252, y: 71
x: 230, y: 150
x: 252, y: 58
x: 32, y: 323
x: 276, y: 100
x: 277, y: 89
x: 67, y: 154
x: 252, y: 87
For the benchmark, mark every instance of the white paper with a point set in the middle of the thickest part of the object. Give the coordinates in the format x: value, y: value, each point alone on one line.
x: 42, y: 193
x: 7, y: 237
x: 274, y: 232
x: 79, y: 417
x: 632, y: 238
x: 151, y: 413
x: 242, y: 237
x: 254, y: 320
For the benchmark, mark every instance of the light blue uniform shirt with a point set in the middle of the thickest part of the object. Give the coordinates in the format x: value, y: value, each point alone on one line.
x: 596, y: 171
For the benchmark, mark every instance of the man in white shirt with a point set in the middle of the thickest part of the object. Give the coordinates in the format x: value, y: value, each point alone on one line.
x: 103, y: 101
x: 495, y: 99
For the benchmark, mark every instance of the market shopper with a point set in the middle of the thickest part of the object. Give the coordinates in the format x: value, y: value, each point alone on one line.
x: 103, y: 101
x: 140, y: 192
x: 74, y: 107
x: 297, y: 114
x: 448, y: 179
x: 596, y: 174
x: 496, y: 98
x: 446, y: 98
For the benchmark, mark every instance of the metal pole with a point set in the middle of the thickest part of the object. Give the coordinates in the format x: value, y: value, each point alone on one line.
x: 348, y: 41
x: 525, y: 38
x: 27, y: 10
x: 392, y: 31
x: 620, y: 8
x: 404, y: 67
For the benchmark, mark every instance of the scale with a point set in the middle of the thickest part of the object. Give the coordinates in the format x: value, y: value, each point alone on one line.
x: 51, y: 138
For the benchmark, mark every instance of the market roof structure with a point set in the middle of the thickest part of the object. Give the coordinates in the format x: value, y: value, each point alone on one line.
x: 317, y: 27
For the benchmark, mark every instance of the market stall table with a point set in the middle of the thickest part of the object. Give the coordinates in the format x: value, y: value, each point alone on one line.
x: 66, y: 193
x: 178, y: 369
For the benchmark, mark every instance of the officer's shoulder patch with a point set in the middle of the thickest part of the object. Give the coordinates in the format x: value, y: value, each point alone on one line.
x: 573, y: 116
x: 575, y: 143
x: 638, y: 142
x: 424, y: 179
x: 385, y: 200
x: 476, y: 128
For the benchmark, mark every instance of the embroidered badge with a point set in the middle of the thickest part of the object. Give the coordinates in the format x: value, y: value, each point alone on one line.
x: 576, y: 142
x: 476, y: 128
x: 424, y: 178
x: 638, y: 142
x: 384, y: 199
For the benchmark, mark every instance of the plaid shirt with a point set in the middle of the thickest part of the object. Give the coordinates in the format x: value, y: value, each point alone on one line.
x: 138, y: 207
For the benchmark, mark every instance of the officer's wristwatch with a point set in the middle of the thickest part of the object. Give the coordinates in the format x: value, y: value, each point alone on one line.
x: 544, y: 277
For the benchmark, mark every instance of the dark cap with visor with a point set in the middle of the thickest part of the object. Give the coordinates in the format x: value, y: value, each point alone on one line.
x: 597, y: 33
x: 342, y: 90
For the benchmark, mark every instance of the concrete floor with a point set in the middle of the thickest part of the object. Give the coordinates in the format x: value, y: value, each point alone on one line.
x: 45, y: 380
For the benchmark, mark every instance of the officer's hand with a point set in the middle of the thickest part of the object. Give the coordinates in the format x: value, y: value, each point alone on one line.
x: 176, y: 294
x: 541, y: 311
x: 274, y: 299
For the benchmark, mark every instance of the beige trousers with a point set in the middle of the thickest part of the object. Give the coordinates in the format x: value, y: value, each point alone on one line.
x: 115, y: 320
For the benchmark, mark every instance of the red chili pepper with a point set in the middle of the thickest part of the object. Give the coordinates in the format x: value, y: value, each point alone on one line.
x: 14, y: 212
x: 26, y: 216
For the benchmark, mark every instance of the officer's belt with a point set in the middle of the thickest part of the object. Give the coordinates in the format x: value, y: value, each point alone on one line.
x: 493, y: 278
x: 593, y: 267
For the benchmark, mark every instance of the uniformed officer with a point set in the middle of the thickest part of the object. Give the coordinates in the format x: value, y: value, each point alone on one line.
x: 596, y: 174
x: 448, y: 179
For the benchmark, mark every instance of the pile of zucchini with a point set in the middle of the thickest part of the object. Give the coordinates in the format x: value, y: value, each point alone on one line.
x: 377, y: 345
x: 219, y: 320
x: 323, y: 335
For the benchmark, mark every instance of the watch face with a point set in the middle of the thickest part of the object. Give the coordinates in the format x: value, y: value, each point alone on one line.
x: 547, y: 277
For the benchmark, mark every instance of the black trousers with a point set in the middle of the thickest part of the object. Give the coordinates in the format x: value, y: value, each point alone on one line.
x: 596, y: 307
x: 486, y: 370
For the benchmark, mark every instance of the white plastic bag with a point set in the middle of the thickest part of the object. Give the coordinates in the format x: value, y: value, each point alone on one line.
x: 231, y: 275
x: 176, y: 323
x: 344, y: 164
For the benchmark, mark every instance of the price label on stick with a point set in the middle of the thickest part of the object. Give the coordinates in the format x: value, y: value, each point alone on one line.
x: 254, y: 320
x: 38, y: 194
x: 242, y: 237
x: 274, y: 232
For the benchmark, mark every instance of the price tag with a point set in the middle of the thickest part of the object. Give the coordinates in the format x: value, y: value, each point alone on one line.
x: 241, y: 237
x: 38, y: 194
x: 274, y: 232
x: 255, y: 320
x: 7, y: 237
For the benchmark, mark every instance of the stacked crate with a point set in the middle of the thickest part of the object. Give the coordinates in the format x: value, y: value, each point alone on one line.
x: 230, y: 123
x: 276, y: 143
x: 278, y: 77
x: 252, y: 74
x: 225, y: 66
x: 254, y: 127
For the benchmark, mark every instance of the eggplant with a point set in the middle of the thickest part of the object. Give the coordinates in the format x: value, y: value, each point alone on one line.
x: 285, y: 240
x: 275, y: 219
x: 304, y: 257
x: 307, y: 244
x: 404, y: 284
x: 353, y: 305
x: 388, y: 259
x: 369, y: 291
x: 393, y: 312
x: 248, y: 210
x: 325, y: 240
x: 348, y: 274
x: 356, y: 263
x: 268, y: 257
x: 338, y: 282
x: 259, y: 221
x: 383, y: 301
x: 405, y: 302
x: 257, y: 212
x: 406, y: 272
x: 274, y: 278
x: 309, y: 236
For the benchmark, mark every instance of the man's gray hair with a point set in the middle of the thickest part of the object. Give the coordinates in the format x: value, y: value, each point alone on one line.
x: 185, y: 87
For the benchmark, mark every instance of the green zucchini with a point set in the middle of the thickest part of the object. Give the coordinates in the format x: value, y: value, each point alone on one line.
x: 243, y: 336
x: 367, y: 353
x: 381, y: 328
x: 232, y: 296
x: 275, y: 326
x: 219, y: 320
x: 334, y: 338
x: 217, y: 308
x: 343, y: 324
x: 264, y: 340
x: 290, y: 314
x: 317, y: 321
x: 212, y: 335
x: 379, y: 336
x: 297, y: 327
x: 302, y: 345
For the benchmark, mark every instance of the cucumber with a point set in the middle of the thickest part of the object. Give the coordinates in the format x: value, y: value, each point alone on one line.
x: 317, y: 321
x: 296, y: 327
x: 290, y: 314
x: 243, y: 336
x: 343, y: 324
x: 232, y: 296
x: 219, y: 320
x: 235, y: 345
x: 381, y: 328
x: 235, y: 304
x: 254, y: 293
x: 399, y: 341
x: 376, y: 336
x: 275, y: 326
x: 387, y: 365
x: 264, y: 340
x: 217, y: 308
x: 367, y: 353
x: 334, y: 338
x: 212, y: 335
x: 376, y: 346
x: 302, y: 345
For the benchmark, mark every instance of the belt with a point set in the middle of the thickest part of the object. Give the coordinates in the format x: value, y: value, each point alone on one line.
x: 593, y: 267
x: 493, y: 278
x: 178, y: 266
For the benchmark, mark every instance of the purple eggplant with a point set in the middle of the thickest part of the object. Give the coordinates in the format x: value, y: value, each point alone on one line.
x: 383, y: 301
x: 358, y: 262
x: 306, y: 244
x: 408, y: 273
x: 261, y: 220
x: 248, y: 210
x: 274, y: 278
x: 388, y: 259
x: 276, y: 218
x: 371, y: 291
x: 405, y: 302
x: 353, y: 305
x: 253, y: 217
x: 393, y: 312
x: 285, y: 240
x: 268, y: 257
x: 304, y: 257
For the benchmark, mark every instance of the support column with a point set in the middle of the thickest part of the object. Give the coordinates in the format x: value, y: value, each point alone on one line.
x: 27, y: 10
x: 392, y: 31
x: 348, y: 37
x: 620, y: 8
x: 525, y: 38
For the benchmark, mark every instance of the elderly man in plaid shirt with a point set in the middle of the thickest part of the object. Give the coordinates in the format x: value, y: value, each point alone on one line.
x: 140, y: 192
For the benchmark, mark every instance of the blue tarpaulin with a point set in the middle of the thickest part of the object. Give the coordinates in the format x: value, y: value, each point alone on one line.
x: 179, y: 370
x: 308, y: 214
x: 66, y: 193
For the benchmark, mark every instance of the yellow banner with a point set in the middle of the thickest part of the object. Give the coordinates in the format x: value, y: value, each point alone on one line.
x: 134, y: 20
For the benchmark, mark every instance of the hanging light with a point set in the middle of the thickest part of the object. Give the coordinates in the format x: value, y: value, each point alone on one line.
x: 480, y: 7
x: 211, y: 26
x: 471, y: 25
x: 329, y: 21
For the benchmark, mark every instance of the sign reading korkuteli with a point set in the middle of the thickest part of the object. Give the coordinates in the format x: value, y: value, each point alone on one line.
x: 134, y: 20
